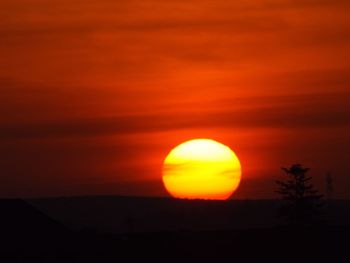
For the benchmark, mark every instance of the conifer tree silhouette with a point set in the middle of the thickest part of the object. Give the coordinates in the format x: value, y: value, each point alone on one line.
x: 302, y: 202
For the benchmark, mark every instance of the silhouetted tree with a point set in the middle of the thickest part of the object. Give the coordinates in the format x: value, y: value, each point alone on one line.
x: 302, y: 202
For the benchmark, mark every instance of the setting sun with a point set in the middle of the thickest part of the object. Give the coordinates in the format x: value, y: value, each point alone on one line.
x: 203, y: 169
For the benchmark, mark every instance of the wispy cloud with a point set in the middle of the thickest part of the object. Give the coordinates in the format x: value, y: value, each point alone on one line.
x: 290, y: 112
x: 75, y: 74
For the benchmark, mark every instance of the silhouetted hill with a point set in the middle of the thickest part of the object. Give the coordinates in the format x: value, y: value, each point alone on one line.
x: 29, y: 234
x: 130, y: 229
x: 115, y: 214
x: 18, y: 216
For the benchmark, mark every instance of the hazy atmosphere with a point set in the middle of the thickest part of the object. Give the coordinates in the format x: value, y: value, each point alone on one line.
x: 94, y: 94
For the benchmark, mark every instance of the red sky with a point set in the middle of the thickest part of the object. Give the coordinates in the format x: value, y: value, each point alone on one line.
x: 94, y: 94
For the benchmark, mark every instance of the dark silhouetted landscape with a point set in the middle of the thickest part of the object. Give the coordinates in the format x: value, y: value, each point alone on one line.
x: 123, y: 229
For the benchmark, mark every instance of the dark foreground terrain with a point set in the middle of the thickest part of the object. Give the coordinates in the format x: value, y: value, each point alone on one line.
x: 76, y: 230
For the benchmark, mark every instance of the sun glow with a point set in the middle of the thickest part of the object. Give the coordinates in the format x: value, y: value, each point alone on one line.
x: 203, y: 169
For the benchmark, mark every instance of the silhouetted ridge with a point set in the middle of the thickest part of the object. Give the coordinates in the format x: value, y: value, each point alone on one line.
x: 27, y: 234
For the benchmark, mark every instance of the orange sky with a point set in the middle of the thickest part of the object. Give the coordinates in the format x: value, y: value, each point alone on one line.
x: 94, y: 94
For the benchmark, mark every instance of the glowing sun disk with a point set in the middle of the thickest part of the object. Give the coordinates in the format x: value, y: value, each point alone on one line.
x: 203, y: 169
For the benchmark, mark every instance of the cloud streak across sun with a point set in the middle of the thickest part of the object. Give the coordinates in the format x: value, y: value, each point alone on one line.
x: 201, y: 169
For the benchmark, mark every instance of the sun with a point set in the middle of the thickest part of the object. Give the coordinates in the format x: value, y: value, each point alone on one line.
x: 201, y: 169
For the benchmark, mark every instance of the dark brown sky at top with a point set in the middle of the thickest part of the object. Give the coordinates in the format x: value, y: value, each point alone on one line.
x: 93, y: 94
